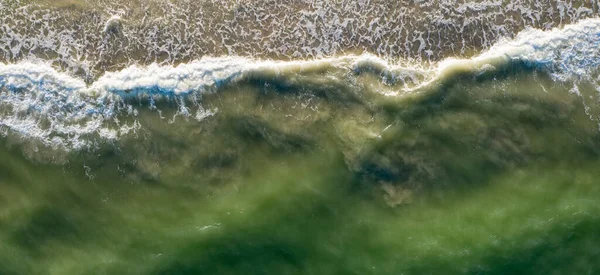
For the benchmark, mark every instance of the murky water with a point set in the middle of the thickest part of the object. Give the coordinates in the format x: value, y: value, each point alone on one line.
x: 180, y: 154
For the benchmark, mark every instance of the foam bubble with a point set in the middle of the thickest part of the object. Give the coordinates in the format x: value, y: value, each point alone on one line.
x: 60, y: 110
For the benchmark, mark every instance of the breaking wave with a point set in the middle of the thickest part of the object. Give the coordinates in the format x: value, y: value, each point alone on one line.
x: 63, y: 111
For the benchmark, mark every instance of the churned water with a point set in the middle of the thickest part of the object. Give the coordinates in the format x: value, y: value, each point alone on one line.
x: 299, y: 137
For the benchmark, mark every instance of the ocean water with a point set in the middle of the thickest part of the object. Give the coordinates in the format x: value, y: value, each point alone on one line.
x: 299, y: 137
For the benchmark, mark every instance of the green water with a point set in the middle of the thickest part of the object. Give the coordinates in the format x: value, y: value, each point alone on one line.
x: 479, y: 175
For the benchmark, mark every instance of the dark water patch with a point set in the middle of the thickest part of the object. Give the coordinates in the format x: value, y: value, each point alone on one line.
x: 8, y: 269
x: 46, y: 224
x: 285, y: 237
x: 253, y: 254
x: 470, y: 129
x: 253, y: 130
x: 563, y: 249
x: 330, y: 85
x: 225, y: 159
x: 66, y: 218
x: 8, y: 174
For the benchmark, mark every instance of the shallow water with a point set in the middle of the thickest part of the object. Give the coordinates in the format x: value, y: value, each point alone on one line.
x: 342, y: 164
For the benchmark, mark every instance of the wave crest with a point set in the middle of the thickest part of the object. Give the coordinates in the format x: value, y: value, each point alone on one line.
x: 60, y: 110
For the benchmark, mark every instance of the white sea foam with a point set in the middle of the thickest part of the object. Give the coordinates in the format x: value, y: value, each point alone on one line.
x: 105, y: 35
x: 568, y: 54
x: 60, y: 110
